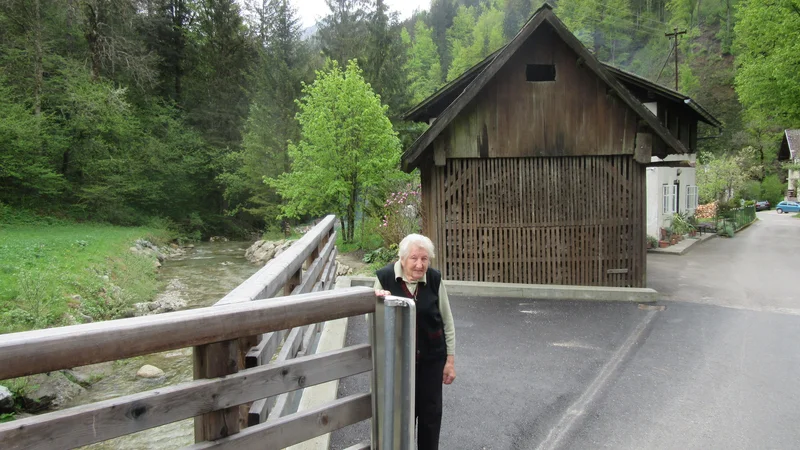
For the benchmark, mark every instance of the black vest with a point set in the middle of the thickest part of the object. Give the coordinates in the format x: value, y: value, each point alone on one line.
x: 431, y: 344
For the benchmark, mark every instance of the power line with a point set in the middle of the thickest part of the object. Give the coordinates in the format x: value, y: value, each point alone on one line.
x: 665, y: 63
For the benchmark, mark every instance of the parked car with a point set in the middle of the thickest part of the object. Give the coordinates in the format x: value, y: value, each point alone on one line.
x: 762, y: 205
x: 783, y: 207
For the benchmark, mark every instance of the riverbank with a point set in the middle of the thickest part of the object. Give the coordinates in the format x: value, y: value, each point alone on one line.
x: 64, y: 273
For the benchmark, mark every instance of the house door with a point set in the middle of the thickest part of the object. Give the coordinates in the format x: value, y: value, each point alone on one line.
x: 677, y: 190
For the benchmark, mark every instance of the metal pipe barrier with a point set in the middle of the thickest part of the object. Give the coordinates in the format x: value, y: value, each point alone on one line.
x: 394, y: 342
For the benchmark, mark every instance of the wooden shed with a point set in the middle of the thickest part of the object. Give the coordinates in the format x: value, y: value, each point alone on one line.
x: 533, y: 168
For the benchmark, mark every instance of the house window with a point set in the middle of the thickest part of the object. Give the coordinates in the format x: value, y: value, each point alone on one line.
x: 691, y: 198
x: 540, y: 72
x: 669, y: 198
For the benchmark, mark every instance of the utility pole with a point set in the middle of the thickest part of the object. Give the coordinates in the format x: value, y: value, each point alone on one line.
x: 676, y: 35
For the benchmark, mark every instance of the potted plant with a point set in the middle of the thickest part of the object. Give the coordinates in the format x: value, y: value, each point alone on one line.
x: 681, y: 224
x: 663, y: 244
x: 652, y: 242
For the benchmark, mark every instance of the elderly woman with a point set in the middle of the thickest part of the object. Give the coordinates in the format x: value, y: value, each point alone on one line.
x: 412, y: 278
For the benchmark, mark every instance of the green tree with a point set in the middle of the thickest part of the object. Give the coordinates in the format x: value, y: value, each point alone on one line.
x: 216, y: 88
x: 385, y: 59
x: 343, y: 32
x: 440, y: 19
x: 460, y: 38
x: 277, y: 81
x: 516, y: 13
x: 347, y: 146
x: 423, y: 62
x: 475, y: 37
x: 767, y: 47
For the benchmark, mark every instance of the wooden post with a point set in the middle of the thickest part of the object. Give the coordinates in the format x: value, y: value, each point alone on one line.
x: 293, y: 282
x: 212, y: 361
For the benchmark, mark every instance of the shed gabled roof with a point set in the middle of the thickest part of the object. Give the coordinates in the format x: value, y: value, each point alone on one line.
x: 790, y: 145
x: 629, y: 79
x: 483, y: 72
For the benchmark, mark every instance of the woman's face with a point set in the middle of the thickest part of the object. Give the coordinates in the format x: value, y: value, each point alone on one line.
x: 416, y: 263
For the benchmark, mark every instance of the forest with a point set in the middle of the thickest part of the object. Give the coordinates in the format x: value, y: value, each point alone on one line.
x: 225, y: 117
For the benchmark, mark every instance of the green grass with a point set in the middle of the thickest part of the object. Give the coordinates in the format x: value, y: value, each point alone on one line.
x: 43, y: 265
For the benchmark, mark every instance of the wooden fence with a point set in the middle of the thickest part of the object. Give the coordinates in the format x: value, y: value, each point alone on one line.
x: 236, y: 384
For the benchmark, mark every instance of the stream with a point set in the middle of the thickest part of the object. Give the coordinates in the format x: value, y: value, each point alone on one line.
x: 200, y: 277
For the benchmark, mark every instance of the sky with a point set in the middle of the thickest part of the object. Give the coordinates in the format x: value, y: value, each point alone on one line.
x: 311, y: 11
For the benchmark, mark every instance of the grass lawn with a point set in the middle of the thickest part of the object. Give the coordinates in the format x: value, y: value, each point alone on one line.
x: 44, y: 267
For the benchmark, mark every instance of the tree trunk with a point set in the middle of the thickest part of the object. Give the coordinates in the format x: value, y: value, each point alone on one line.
x: 92, y: 39
x: 351, y: 213
x: 728, y: 24
x: 38, y: 64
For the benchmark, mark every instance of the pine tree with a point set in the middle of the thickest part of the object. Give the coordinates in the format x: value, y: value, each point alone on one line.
x: 343, y: 32
x: 384, y: 62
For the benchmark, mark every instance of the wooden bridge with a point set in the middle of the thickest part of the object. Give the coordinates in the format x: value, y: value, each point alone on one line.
x: 241, y: 394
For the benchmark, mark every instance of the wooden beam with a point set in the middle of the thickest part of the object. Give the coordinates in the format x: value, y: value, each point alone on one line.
x: 312, y: 275
x: 682, y: 164
x: 644, y: 148
x: 96, y: 422
x: 79, y: 345
x: 298, y: 427
x: 260, y: 409
x: 213, y: 361
x: 262, y: 353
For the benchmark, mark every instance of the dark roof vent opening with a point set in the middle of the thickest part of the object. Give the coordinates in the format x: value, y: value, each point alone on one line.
x: 540, y: 72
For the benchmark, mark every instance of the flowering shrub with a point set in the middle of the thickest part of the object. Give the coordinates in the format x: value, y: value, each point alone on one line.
x: 401, y: 214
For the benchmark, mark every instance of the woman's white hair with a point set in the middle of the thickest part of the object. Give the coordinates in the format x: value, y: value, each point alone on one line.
x: 415, y: 240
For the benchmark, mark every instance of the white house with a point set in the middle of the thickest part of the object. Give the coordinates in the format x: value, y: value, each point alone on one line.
x: 790, y: 151
x: 670, y: 190
x: 671, y: 187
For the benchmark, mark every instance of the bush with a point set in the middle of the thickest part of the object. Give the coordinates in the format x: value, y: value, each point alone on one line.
x: 402, y: 214
x: 381, y: 256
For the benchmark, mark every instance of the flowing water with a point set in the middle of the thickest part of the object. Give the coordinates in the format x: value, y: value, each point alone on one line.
x: 201, y: 277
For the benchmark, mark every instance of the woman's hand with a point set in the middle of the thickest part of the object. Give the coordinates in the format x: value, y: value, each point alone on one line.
x: 381, y: 293
x: 449, y: 374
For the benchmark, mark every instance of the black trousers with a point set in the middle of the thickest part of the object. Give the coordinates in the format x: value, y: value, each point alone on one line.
x: 428, y: 411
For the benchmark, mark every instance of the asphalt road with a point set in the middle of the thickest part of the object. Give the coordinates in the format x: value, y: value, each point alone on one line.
x: 717, y: 368
x: 756, y: 270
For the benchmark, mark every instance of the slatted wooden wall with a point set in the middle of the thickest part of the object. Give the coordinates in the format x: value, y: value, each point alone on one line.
x: 567, y: 220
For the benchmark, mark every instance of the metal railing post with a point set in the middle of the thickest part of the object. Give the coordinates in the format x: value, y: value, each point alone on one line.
x: 393, y: 335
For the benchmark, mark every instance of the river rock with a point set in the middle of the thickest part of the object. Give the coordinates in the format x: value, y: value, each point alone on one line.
x: 6, y: 400
x: 148, y: 371
x: 343, y: 269
x: 262, y: 251
x: 169, y: 300
x: 51, y: 390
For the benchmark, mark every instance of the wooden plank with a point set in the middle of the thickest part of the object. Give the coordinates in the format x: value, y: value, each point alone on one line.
x: 276, y: 273
x: 329, y: 279
x: 259, y: 409
x: 298, y: 427
x: 78, y: 345
x: 308, y: 338
x: 262, y: 353
x: 213, y: 361
x: 87, y: 424
x: 312, y: 275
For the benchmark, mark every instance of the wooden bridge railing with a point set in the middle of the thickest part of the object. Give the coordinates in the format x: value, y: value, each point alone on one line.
x: 232, y: 342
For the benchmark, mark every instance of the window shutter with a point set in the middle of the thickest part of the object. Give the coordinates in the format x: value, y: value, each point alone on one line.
x: 674, y: 199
